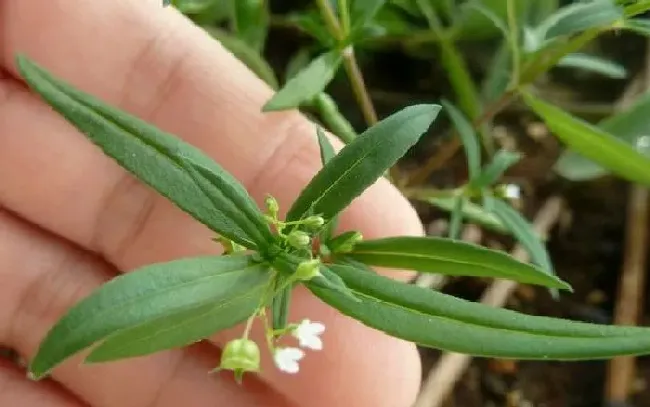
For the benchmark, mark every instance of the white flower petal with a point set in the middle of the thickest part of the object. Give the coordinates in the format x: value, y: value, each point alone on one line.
x: 312, y: 342
x: 286, y: 359
x: 308, y: 333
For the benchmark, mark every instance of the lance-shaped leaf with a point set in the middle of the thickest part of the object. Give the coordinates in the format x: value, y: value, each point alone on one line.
x: 522, y: 230
x: 440, y: 321
x: 471, y: 212
x: 362, y: 162
x: 450, y: 257
x: 326, y: 154
x: 249, y: 56
x: 155, y: 157
x: 581, y: 16
x: 179, y: 329
x: 627, y: 125
x: 468, y: 136
x: 307, y: 84
x: 251, y: 21
x: 594, y: 64
x: 593, y: 142
x: 362, y: 12
x: 502, y: 160
x: 194, y: 297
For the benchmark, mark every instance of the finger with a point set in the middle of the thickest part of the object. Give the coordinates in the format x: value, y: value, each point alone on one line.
x: 16, y: 390
x: 111, y: 218
x: 40, y: 277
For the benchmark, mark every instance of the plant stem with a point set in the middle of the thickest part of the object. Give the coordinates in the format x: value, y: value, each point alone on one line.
x: 514, y: 41
x: 349, y: 63
x: 330, y: 19
x: 334, y: 119
x: 344, y: 13
x: 359, y: 86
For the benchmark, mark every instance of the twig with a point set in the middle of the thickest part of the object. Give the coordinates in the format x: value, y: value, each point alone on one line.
x: 621, y: 370
x: 444, y: 375
x: 359, y: 86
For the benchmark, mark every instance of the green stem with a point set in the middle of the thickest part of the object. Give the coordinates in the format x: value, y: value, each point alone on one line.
x: 514, y: 41
x: 329, y: 18
x: 359, y: 86
x: 344, y: 13
x: 334, y: 119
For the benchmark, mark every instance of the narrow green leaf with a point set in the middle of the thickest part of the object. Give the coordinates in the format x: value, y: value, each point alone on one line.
x: 218, y: 189
x: 436, y: 320
x: 326, y: 154
x: 327, y: 151
x: 177, y: 330
x: 362, y: 13
x: 158, y: 292
x: 152, y: 155
x: 297, y: 63
x: 502, y: 160
x: 362, y: 162
x: 495, y: 19
x: 498, y: 74
x: 456, y: 221
x: 307, y: 84
x: 331, y: 281
x: 638, y: 25
x: 582, y: 16
x: 471, y: 212
x: 522, y: 230
x: 251, y: 58
x: 593, y: 142
x: 594, y: 64
x: 628, y: 125
x: 311, y: 23
x: 251, y: 21
x: 468, y: 136
x: 450, y: 257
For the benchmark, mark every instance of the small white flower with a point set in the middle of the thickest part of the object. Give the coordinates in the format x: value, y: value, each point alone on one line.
x: 308, y: 334
x: 512, y: 191
x: 286, y: 359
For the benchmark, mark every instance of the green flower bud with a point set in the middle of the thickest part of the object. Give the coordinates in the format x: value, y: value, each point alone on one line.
x: 308, y: 270
x: 229, y: 246
x: 240, y: 355
x: 314, y: 222
x: 272, y: 206
x: 344, y: 242
x: 298, y: 239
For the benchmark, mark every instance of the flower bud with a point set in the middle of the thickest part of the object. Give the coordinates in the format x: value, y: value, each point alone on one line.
x: 345, y: 242
x: 240, y: 355
x: 508, y: 191
x: 314, y: 222
x: 272, y: 206
x: 298, y: 239
x: 308, y: 270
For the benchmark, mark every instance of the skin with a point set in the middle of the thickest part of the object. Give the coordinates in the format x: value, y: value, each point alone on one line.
x: 71, y: 218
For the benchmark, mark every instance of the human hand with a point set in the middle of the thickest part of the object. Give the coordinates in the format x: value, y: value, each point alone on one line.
x: 71, y: 218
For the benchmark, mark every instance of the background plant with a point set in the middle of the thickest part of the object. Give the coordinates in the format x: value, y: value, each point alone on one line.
x: 532, y: 38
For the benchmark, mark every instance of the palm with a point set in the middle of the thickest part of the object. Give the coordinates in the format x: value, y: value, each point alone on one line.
x: 72, y: 218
